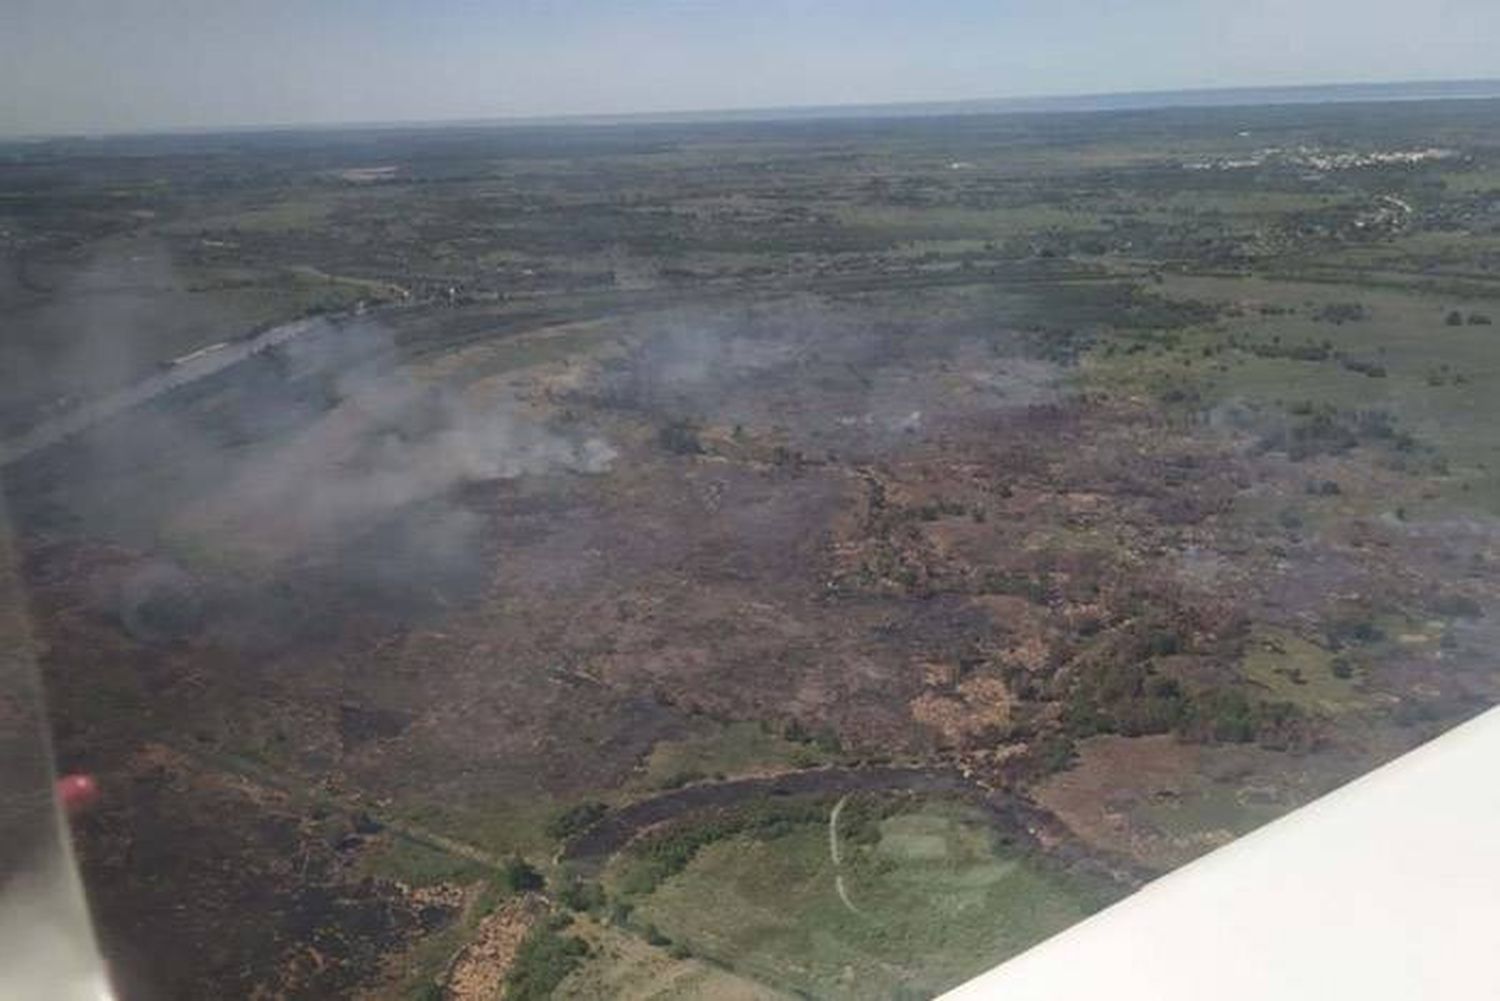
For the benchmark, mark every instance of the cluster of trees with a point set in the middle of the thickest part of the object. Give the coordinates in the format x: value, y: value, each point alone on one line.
x: 1374, y: 370
x: 664, y: 853
x: 1309, y: 350
x: 825, y: 738
x: 575, y: 820
x: 1339, y: 313
x: 520, y: 876
x: 1062, y: 322
x: 1126, y: 687
x: 1321, y: 429
x: 544, y: 959
x: 1230, y: 715
x: 1124, y: 697
x: 1455, y: 318
x: 1134, y: 700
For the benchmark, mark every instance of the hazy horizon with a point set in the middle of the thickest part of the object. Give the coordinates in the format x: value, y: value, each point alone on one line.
x: 75, y: 66
x: 1354, y: 91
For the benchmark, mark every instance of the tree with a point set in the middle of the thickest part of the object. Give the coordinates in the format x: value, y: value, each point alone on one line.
x: 521, y: 876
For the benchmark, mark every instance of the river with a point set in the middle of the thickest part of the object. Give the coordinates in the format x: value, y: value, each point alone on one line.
x: 190, y: 369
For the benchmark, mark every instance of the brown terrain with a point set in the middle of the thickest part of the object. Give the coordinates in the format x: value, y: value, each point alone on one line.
x: 636, y: 486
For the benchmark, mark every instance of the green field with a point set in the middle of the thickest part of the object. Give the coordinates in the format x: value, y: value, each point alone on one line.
x: 1289, y: 667
x: 1436, y: 379
x: 933, y: 900
x: 623, y: 965
x: 729, y: 751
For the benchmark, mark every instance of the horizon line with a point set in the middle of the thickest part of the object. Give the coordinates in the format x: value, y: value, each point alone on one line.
x: 1364, y: 92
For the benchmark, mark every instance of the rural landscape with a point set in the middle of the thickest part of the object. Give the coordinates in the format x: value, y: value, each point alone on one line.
x: 808, y: 558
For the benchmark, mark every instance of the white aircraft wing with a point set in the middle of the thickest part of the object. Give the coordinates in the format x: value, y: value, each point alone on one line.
x: 1388, y: 888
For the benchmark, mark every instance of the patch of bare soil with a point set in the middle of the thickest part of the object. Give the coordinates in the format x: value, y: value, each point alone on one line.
x: 479, y: 972
x: 977, y: 707
x: 1162, y: 802
x: 1096, y: 796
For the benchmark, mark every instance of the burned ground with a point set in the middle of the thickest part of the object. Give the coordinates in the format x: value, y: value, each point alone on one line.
x: 810, y: 454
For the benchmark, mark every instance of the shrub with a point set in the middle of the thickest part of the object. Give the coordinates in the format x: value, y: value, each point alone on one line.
x: 1165, y: 688
x: 804, y: 757
x: 582, y: 895
x: 1163, y: 642
x: 544, y: 959
x: 682, y: 777
x: 680, y: 438
x: 575, y: 819
x: 1457, y: 606
x: 1346, y: 631
x: 1019, y: 584
x: 1374, y: 370
x: 1055, y: 752
x: 1228, y: 715
x: 1121, y: 694
x: 1341, y: 312
x: 827, y: 741
x: 521, y: 876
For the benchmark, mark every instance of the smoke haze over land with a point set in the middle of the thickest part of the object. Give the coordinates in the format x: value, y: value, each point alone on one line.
x: 318, y: 454
x: 387, y: 443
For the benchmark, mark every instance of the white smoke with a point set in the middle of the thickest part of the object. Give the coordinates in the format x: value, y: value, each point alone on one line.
x: 388, y: 444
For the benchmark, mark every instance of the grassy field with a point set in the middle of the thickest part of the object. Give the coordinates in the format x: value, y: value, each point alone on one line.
x: 930, y: 902
x: 566, y: 342
x: 1290, y: 668
x: 1274, y: 348
x: 731, y: 750
x: 408, y: 861
x: 512, y: 825
x: 623, y: 966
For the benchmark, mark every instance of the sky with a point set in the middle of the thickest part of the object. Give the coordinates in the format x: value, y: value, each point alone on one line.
x: 124, y: 65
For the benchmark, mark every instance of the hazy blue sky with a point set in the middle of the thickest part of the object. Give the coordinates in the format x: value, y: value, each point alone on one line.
x: 81, y: 65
